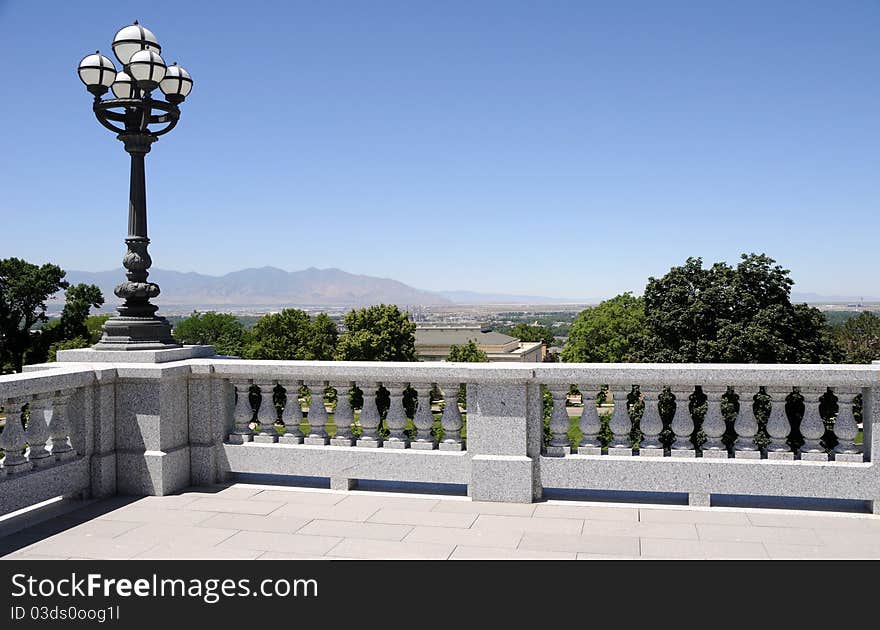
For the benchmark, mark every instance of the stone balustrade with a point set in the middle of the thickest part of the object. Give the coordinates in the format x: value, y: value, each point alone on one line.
x: 698, y: 430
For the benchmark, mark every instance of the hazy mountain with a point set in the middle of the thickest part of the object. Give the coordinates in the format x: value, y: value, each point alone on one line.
x: 268, y: 286
x: 814, y: 298
x: 473, y: 297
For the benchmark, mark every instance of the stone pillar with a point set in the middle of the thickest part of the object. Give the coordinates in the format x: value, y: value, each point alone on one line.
x: 505, y: 432
x: 395, y: 420
x: 682, y: 424
x: 589, y: 422
x: 424, y: 419
x: 343, y: 417
x: 713, y: 423
x: 208, y: 415
x: 13, y: 439
x: 267, y: 414
x: 746, y: 428
x: 559, y: 423
x: 621, y: 422
x: 845, y: 428
x: 451, y: 418
x: 651, y: 424
x: 37, y: 433
x: 318, y: 419
x: 59, y: 427
x: 871, y: 436
x: 370, y: 418
x: 243, y: 413
x: 152, y: 429
x: 292, y: 415
x: 778, y: 426
x: 812, y: 426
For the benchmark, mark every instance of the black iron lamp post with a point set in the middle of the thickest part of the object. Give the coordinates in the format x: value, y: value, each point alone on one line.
x: 139, y: 120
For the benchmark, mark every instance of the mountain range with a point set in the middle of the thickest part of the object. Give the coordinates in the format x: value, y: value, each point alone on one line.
x: 310, y: 287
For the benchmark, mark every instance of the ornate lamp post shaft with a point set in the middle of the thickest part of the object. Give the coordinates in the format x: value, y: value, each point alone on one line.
x: 137, y: 327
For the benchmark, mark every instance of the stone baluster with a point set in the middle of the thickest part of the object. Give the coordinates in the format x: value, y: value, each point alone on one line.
x: 778, y: 426
x: 745, y: 425
x: 370, y: 418
x: 682, y: 424
x: 343, y: 417
x: 424, y: 419
x: 243, y: 414
x: 651, y: 424
x: 292, y: 415
x: 845, y: 428
x: 589, y: 423
x: 559, y: 423
x: 318, y: 418
x: 37, y: 433
x: 12, y: 439
x: 812, y: 426
x: 267, y: 413
x: 451, y: 418
x: 621, y: 422
x: 713, y: 423
x: 395, y: 419
x: 59, y: 427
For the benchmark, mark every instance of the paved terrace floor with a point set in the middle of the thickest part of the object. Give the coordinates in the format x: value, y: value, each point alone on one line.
x: 250, y: 521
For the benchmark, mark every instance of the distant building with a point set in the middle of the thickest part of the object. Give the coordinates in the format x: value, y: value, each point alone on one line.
x: 433, y: 343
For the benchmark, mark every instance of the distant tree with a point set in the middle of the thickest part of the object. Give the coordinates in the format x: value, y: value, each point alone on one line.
x: 468, y: 353
x: 223, y: 331
x: 377, y: 333
x: 524, y: 332
x: 859, y: 338
x: 78, y: 301
x: 24, y: 289
x: 732, y: 315
x: 292, y: 334
x: 74, y: 329
x: 611, y: 332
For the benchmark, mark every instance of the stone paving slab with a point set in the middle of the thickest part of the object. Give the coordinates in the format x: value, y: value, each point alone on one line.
x: 255, y: 522
x: 465, y: 537
x: 346, y: 529
x: 418, y: 517
x: 692, y: 515
x: 250, y: 521
x: 738, y: 533
x: 590, y: 543
x: 526, y: 524
x: 274, y: 541
x: 498, y: 553
x: 137, y: 514
x: 290, y: 496
x: 560, y: 510
x: 363, y: 548
x: 486, y: 507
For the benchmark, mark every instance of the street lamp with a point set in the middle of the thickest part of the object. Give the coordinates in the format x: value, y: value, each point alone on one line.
x: 138, y: 120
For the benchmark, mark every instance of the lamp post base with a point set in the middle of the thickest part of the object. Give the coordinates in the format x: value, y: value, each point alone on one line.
x: 136, y: 333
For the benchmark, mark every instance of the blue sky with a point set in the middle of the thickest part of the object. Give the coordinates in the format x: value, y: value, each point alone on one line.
x: 554, y: 148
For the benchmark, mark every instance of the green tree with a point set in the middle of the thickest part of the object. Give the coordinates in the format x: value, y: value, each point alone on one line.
x: 377, y: 333
x: 611, y: 332
x: 222, y: 330
x: 525, y: 332
x: 24, y: 289
x: 732, y: 315
x: 468, y: 353
x: 74, y: 329
x: 78, y: 301
x: 292, y: 334
x: 859, y: 338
